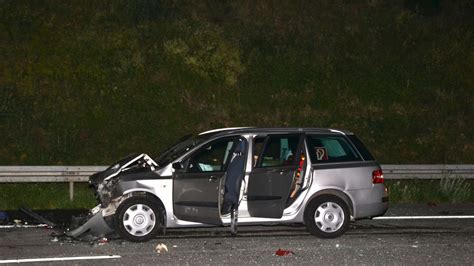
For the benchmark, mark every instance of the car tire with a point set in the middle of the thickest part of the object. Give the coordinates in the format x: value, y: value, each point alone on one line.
x: 327, y: 216
x: 139, y: 219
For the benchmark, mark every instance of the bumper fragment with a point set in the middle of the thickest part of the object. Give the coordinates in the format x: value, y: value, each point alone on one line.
x: 95, y: 227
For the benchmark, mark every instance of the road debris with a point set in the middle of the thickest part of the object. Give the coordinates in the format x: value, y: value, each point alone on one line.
x: 161, y: 248
x: 37, y: 217
x: 94, y: 228
x: 284, y: 252
x: 102, y: 241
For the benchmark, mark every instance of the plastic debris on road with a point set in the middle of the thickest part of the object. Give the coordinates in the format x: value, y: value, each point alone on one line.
x: 103, y: 241
x: 36, y: 217
x: 161, y: 248
x: 283, y: 252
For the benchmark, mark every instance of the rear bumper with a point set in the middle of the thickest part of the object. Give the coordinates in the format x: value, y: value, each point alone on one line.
x: 372, y: 210
x: 370, y: 203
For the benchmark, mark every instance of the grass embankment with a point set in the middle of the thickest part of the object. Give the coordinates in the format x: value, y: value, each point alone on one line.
x: 452, y: 190
x: 43, y: 196
x: 56, y: 195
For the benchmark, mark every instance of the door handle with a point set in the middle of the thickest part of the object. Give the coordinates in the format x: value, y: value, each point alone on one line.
x: 212, y: 178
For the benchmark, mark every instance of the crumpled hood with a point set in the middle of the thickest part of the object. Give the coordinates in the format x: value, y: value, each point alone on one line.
x: 133, y: 162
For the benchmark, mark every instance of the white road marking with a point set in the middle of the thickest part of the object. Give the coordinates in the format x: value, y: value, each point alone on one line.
x: 61, y: 259
x: 424, y: 217
x: 24, y: 226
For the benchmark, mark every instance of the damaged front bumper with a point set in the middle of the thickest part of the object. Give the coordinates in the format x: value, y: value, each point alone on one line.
x: 95, y: 227
x: 108, y: 189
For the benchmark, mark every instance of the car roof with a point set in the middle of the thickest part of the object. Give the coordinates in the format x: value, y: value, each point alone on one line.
x: 244, y: 130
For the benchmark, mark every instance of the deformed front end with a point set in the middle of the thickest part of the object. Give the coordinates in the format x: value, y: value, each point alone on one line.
x: 100, y: 221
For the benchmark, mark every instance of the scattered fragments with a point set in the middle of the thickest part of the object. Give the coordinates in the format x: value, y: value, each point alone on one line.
x: 102, y: 241
x: 283, y: 252
x: 161, y: 248
x: 37, y: 217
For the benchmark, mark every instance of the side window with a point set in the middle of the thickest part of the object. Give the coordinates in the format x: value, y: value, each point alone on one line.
x: 279, y: 151
x: 330, y: 149
x: 211, y: 157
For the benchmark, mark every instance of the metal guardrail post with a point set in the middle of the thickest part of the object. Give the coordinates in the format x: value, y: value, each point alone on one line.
x: 71, y: 190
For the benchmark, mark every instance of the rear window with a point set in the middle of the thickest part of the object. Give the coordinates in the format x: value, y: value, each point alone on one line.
x: 362, y: 149
x: 330, y: 149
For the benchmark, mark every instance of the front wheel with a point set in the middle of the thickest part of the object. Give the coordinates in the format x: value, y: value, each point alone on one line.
x: 139, y: 219
x: 327, y: 216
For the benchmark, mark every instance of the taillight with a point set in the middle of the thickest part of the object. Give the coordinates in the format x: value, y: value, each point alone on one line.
x: 377, y: 177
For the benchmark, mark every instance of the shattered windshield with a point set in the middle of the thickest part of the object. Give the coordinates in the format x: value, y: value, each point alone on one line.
x: 183, y: 145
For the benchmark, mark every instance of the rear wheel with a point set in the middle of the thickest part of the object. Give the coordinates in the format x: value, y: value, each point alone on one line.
x: 139, y: 219
x: 327, y: 216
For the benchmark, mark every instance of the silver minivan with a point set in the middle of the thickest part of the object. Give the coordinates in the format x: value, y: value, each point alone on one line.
x: 227, y: 177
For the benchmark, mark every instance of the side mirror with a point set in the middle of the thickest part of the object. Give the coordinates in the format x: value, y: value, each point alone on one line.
x: 177, y: 166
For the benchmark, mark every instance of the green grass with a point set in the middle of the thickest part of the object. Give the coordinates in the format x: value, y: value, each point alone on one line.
x: 452, y: 190
x: 42, y: 196
x: 56, y: 195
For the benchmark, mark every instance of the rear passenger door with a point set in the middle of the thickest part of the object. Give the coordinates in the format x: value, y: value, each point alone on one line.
x: 271, y: 179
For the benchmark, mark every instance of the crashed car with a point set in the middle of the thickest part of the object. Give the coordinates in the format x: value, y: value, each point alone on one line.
x: 323, y: 178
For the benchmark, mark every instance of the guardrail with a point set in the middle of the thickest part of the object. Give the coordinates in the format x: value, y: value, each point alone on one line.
x: 27, y: 174
x: 72, y: 174
x: 428, y: 171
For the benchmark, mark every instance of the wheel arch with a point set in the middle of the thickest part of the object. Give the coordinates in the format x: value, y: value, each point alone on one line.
x: 334, y: 192
x: 150, y: 196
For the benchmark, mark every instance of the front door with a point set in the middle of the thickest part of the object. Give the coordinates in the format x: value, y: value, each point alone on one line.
x: 272, y: 177
x: 197, y: 187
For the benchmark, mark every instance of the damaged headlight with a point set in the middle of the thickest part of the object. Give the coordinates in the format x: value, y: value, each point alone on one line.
x: 104, y: 191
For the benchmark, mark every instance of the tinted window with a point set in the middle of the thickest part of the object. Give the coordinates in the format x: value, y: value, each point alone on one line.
x: 211, y: 157
x: 279, y: 151
x: 330, y: 148
x: 362, y: 149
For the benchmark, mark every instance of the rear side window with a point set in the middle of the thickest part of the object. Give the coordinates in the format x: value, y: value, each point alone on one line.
x: 362, y: 149
x: 279, y: 151
x: 330, y: 149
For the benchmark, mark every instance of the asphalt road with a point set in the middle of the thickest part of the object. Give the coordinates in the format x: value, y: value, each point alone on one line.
x: 392, y: 241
